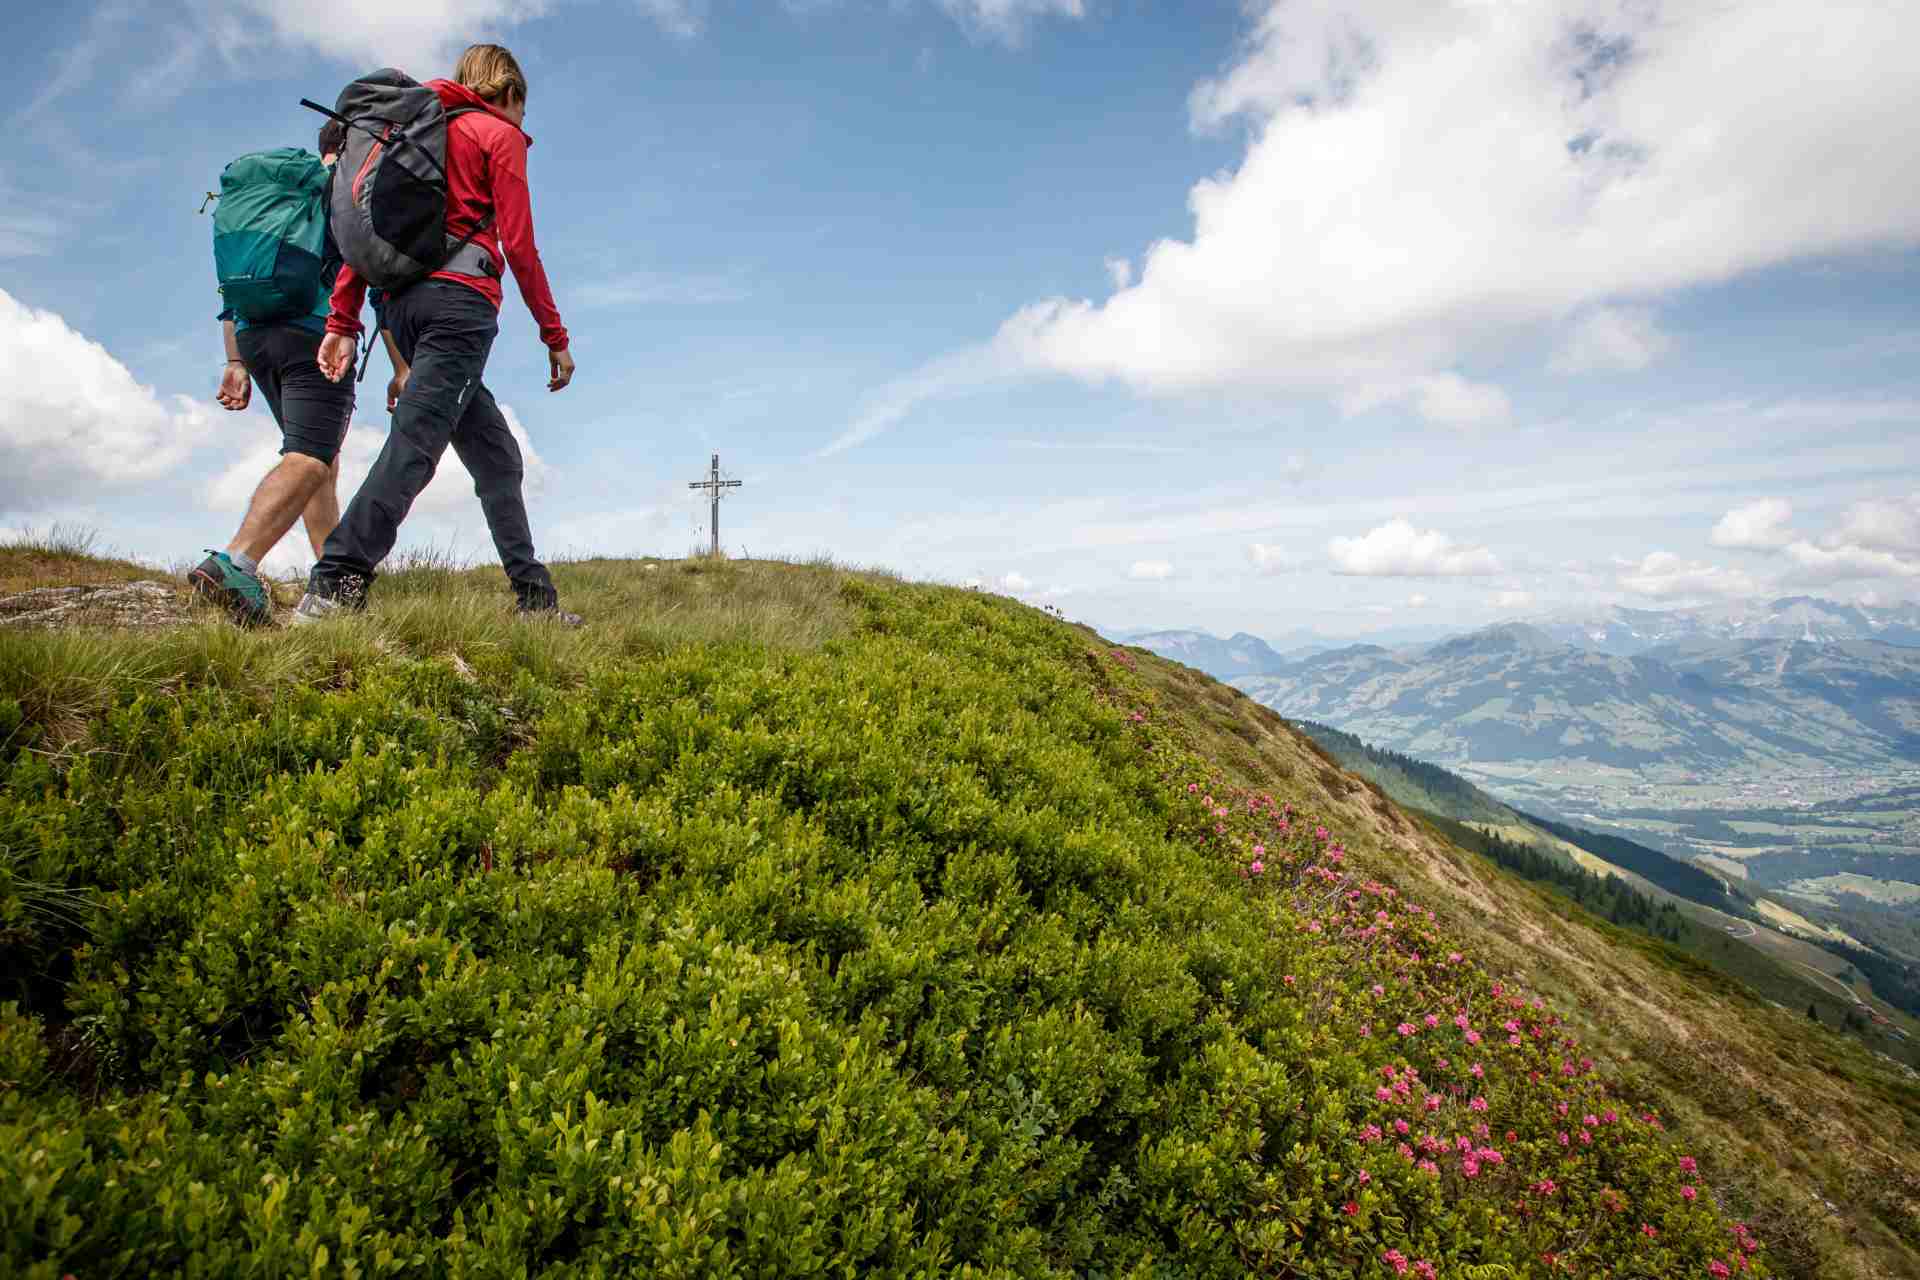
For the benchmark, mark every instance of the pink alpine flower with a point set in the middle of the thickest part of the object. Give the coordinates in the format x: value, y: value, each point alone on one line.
x: 1364, y: 1177
x: 1473, y: 1037
x: 1477, y: 1071
x: 1424, y: 1270
x: 1432, y: 1020
x: 1257, y: 867
x: 1688, y: 1165
x: 1349, y: 1208
x: 1470, y: 1167
x: 1478, y: 1104
x: 1646, y: 1229
x: 1405, y: 1028
x: 1395, y: 1259
x: 1687, y: 1192
x: 1717, y: 1269
x: 1427, y: 1166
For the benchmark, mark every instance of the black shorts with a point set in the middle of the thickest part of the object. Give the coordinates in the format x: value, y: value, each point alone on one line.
x: 313, y: 410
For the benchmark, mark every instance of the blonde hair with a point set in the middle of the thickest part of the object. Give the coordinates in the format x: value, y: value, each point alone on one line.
x: 490, y: 71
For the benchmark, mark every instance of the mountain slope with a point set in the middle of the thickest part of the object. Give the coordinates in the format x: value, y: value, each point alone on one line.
x: 788, y: 921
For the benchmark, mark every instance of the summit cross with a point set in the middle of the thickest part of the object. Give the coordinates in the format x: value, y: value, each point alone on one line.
x: 713, y: 484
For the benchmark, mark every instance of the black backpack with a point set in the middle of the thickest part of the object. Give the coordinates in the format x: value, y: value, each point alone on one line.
x: 389, y: 202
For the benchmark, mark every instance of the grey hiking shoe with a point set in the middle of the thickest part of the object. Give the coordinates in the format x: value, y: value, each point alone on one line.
x: 539, y: 602
x: 313, y: 608
x: 220, y: 581
x: 551, y: 613
x: 331, y: 597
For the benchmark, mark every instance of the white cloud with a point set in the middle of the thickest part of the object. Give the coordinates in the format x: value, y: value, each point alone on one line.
x: 73, y: 421
x: 1761, y: 525
x: 1875, y: 538
x: 421, y: 36
x: 1513, y: 600
x: 1445, y: 399
x: 1014, y: 583
x: 1435, y: 179
x: 1398, y: 550
x: 1662, y: 575
x: 1611, y: 338
x: 1270, y: 559
x: 1120, y: 271
x: 1008, y: 20
x: 961, y: 371
x: 1417, y: 601
x: 1882, y: 524
x: 682, y: 18
x: 1840, y: 561
x: 1150, y: 570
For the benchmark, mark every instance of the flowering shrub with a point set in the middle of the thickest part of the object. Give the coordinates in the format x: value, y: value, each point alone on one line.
x: 929, y: 951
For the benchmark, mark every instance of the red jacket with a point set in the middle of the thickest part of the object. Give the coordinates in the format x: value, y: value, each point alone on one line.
x: 486, y: 170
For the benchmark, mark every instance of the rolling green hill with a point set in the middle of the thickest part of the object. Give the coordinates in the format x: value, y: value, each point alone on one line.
x: 790, y: 921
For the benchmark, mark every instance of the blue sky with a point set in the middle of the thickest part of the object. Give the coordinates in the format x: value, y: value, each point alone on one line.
x: 1260, y: 317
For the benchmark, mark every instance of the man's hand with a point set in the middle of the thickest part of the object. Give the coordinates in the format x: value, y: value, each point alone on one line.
x: 561, y: 363
x: 236, y: 387
x: 336, y: 355
x: 397, y: 384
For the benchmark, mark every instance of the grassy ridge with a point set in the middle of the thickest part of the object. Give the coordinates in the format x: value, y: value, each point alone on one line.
x: 784, y: 921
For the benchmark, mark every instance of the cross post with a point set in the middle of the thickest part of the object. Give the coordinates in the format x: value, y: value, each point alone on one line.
x: 713, y: 484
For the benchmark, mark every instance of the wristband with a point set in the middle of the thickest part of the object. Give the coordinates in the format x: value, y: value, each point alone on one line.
x: 236, y: 360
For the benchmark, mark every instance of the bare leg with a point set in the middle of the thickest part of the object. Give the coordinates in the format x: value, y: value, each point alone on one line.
x: 323, y: 509
x: 277, y: 503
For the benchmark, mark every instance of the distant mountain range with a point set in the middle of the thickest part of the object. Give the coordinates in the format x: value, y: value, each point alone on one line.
x: 1624, y: 631
x: 1512, y: 693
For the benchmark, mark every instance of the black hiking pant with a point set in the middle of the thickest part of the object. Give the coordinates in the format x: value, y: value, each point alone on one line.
x: 444, y: 332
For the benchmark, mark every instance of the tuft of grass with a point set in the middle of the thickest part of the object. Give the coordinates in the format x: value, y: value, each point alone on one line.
x: 64, y: 555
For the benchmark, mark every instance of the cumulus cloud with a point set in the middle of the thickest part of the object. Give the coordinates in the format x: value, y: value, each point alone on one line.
x: 73, y: 421
x: 1876, y: 538
x: 1150, y: 570
x: 1513, y: 599
x: 1611, y: 338
x: 1662, y: 575
x: 1424, y: 182
x: 1760, y: 526
x: 1120, y: 271
x: 1836, y: 561
x: 1271, y: 559
x: 1882, y: 524
x: 1398, y: 550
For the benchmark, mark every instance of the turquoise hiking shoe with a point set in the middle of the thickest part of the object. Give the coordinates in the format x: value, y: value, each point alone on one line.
x: 241, y: 594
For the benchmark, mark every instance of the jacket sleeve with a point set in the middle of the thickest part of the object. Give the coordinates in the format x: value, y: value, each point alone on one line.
x: 349, y: 292
x: 513, y: 218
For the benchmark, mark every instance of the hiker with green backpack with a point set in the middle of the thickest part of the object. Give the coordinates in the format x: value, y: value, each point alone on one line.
x: 276, y: 261
x: 431, y: 206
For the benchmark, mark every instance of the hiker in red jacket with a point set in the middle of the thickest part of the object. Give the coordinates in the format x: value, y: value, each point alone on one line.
x: 442, y: 329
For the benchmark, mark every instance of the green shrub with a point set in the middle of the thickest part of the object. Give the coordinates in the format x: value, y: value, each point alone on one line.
x: 910, y: 954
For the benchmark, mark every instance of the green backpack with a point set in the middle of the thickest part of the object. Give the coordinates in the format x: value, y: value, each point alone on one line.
x: 269, y: 234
